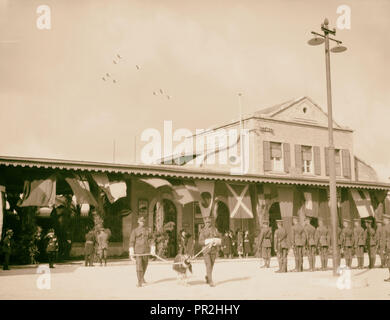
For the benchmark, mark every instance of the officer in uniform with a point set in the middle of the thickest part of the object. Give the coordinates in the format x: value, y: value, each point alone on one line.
x: 381, y: 242
x: 89, y: 248
x: 141, y: 246
x: 281, y: 246
x: 359, y: 242
x: 339, y: 245
x: 323, y: 243
x: 7, y: 248
x: 298, y: 242
x: 371, y: 243
x: 347, y: 242
x: 208, y: 237
x: 386, y: 228
x: 264, y: 243
x: 311, y: 247
x: 52, y: 247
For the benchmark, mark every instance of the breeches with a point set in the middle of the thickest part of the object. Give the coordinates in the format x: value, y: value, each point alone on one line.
x: 209, y: 260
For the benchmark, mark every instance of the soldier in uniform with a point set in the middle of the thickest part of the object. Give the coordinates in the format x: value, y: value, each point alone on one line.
x: 359, y: 242
x: 264, y: 243
x: 208, y: 237
x: 381, y: 242
x: 7, y: 248
x: 310, y: 243
x: 281, y: 246
x: 371, y: 243
x: 339, y: 246
x: 298, y: 242
x: 347, y: 242
x: 386, y: 228
x: 52, y: 247
x: 141, y: 246
x: 323, y: 243
x: 89, y: 248
x: 102, y: 245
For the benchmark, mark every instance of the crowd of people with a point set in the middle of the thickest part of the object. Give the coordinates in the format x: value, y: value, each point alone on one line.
x: 236, y: 244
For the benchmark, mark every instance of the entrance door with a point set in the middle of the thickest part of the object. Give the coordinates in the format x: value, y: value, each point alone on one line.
x: 170, y: 215
x: 223, y: 215
x: 274, y: 214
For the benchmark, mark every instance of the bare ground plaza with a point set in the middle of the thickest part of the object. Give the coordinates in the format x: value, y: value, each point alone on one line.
x: 234, y: 279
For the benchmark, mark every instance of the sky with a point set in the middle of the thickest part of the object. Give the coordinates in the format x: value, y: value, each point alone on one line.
x: 55, y: 104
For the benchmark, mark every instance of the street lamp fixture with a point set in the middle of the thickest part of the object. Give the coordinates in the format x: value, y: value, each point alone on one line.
x: 319, y: 39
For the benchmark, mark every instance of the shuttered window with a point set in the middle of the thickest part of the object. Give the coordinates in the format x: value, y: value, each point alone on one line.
x: 298, y: 158
x: 346, y: 163
x: 267, y: 156
x: 286, y: 157
x: 317, y: 161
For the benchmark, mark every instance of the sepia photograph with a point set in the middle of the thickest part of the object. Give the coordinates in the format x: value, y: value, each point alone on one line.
x: 180, y: 150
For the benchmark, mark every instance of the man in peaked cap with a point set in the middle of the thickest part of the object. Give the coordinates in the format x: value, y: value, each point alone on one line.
x: 381, y: 242
x: 347, y: 242
x: 323, y: 243
x: 371, y: 243
x: 386, y: 219
x: 359, y: 242
x: 298, y: 242
x: 208, y: 238
x: 141, y: 246
x: 264, y: 243
x: 281, y: 246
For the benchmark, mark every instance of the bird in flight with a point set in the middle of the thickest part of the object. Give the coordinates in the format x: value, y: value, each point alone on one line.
x: 154, y: 93
x: 161, y: 91
x: 168, y: 97
x: 104, y: 79
x: 107, y: 74
x: 114, y: 62
x: 137, y: 66
x: 114, y: 81
x: 119, y: 56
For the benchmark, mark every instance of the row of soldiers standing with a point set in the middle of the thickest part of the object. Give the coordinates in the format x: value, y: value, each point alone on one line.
x: 308, y: 239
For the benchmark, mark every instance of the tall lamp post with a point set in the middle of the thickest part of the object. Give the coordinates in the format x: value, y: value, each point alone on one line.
x: 317, y: 40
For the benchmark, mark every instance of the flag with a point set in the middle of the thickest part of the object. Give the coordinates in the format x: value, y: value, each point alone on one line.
x: 239, y: 201
x: 206, y: 196
x: 102, y: 181
x: 363, y: 203
x: 2, y: 202
x: 81, y: 191
x: 39, y: 193
x: 310, y: 203
x: 118, y: 190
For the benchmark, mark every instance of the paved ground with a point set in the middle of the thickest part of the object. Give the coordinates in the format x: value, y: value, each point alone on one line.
x: 235, y: 279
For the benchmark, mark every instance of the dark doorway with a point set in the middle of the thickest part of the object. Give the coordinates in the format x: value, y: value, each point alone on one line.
x: 274, y: 214
x: 223, y: 215
x: 170, y: 215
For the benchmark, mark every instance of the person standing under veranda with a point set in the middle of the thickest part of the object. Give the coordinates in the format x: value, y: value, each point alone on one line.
x: 381, y: 242
x: 240, y: 243
x: 264, y: 243
x: 281, y: 246
x: 141, y: 246
x: 310, y: 245
x: 7, y: 248
x: 371, y: 243
x: 359, y: 242
x: 89, y: 248
x: 298, y: 242
x: 210, y: 239
x: 102, y: 240
x: 323, y: 243
x: 52, y: 247
x: 227, y: 245
x: 386, y: 219
x: 347, y: 242
x: 247, y: 244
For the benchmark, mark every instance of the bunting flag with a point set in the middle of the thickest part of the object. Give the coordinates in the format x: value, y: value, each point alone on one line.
x: 286, y: 198
x: 182, y: 194
x: 239, y: 201
x: 363, y: 203
x: 2, y: 202
x: 206, y: 196
x: 156, y: 182
x: 311, y: 203
x: 103, y: 182
x: 81, y: 191
x: 39, y: 193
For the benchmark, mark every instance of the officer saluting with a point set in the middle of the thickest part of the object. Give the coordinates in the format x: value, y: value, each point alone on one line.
x: 281, y: 246
x: 209, y: 236
x: 141, y: 246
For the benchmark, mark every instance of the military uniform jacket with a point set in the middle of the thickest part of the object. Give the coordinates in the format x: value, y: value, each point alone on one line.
x: 381, y: 236
x: 359, y: 236
x: 386, y: 230
x: 323, y: 237
x: 281, y: 239
x: 209, y: 233
x: 265, y: 238
x: 141, y: 239
x: 298, y: 235
x: 347, y: 237
x: 370, y: 236
x: 310, y: 235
